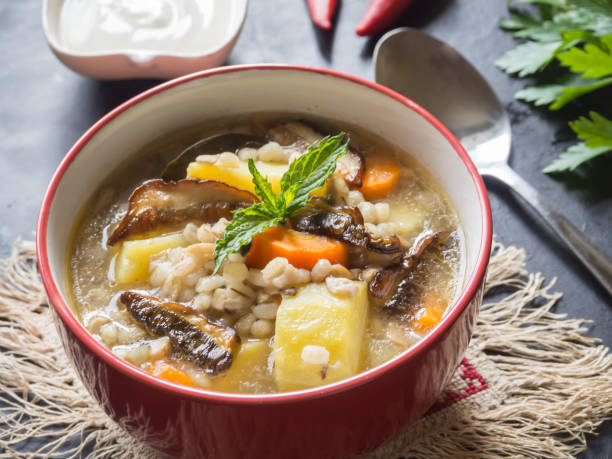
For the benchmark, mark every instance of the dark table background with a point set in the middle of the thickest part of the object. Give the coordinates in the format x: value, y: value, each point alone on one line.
x: 44, y: 108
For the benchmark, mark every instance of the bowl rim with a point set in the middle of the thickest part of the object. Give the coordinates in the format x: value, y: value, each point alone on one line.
x: 139, y: 55
x: 474, y: 279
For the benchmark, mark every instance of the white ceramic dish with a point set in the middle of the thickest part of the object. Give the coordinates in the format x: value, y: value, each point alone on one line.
x: 116, y: 65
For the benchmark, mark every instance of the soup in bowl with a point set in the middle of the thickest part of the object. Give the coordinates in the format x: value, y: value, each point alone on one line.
x: 247, y: 244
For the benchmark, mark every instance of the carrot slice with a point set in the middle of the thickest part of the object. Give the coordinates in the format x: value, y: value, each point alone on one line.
x: 428, y: 318
x: 380, y: 176
x: 303, y: 250
x: 165, y: 371
x: 434, y: 305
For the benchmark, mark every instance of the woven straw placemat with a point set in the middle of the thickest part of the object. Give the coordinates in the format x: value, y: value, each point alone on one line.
x: 531, y: 383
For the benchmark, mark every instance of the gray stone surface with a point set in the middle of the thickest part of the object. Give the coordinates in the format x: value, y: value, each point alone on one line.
x: 44, y: 108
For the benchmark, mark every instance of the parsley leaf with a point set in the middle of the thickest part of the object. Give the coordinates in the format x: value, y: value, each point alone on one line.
x: 597, y: 131
x: 520, y: 22
x: 555, y: 3
x: 561, y: 92
x: 529, y: 57
x: 597, y: 7
x: 577, y: 35
x: 597, y: 136
x: 540, y: 95
x: 592, y: 61
x: 305, y: 175
x: 573, y: 157
x: 548, y: 31
x: 572, y: 92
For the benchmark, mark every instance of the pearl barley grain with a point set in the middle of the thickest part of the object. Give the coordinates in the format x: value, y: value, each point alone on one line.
x: 341, y: 286
x: 265, y: 311
x: 317, y: 355
x: 208, y: 284
x: 262, y: 328
x: 271, y: 151
x: 243, y: 325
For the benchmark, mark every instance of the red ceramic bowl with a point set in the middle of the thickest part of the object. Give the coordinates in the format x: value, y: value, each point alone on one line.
x: 346, y: 418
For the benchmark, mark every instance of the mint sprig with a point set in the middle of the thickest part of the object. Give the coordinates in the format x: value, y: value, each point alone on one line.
x: 305, y: 175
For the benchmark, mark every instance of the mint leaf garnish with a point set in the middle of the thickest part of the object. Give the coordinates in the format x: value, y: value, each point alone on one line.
x: 305, y: 175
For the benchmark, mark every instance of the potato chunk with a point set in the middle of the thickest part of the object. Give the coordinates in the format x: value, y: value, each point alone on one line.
x: 249, y: 364
x: 240, y: 177
x: 408, y: 218
x: 132, y: 262
x: 313, y: 324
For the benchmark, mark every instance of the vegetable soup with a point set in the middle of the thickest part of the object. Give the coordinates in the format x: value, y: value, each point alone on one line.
x: 265, y: 255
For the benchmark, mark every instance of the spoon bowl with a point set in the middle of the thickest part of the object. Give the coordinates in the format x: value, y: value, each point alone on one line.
x: 212, y: 145
x: 462, y: 100
x: 439, y: 78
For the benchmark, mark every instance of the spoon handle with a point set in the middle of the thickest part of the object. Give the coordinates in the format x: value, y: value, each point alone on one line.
x: 591, y: 257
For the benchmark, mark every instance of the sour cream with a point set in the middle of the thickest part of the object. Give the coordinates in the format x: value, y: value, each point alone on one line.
x: 189, y: 27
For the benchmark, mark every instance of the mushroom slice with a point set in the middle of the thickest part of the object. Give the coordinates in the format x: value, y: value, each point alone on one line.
x: 392, y: 285
x: 385, y: 279
x: 294, y: 133
x: 343, y: 224
x: 202, y: 341
x: 156, y: 203
x: 351, y: 167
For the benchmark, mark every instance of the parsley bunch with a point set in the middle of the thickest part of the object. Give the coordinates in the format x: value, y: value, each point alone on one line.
x: 577, y: 35
x: 305, y: 175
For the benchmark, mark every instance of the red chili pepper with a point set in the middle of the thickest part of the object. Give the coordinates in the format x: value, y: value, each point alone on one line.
x: 380, y: 15
x: 322, y: 12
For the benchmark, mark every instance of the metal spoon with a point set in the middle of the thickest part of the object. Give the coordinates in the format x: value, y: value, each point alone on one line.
x: 218, y: 143
x: 436, y: 76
